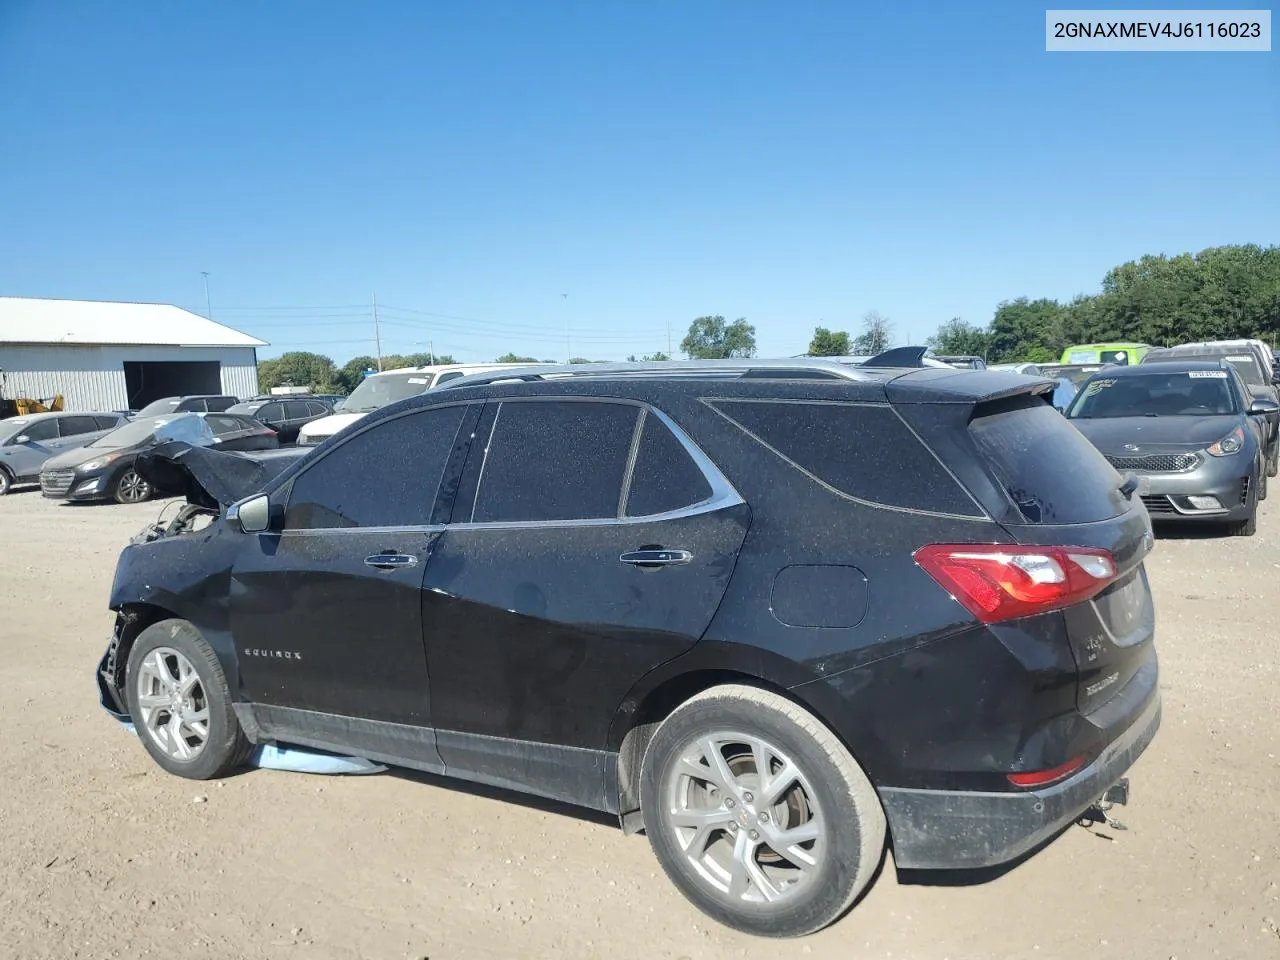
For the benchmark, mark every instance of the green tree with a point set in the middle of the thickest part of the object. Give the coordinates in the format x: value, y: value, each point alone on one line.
x: 955, y: 337
x: 298, y: 368
x: 352, y: 372
x: 515, y: 358
x: 712, y: 338
x: 876, y: 335
x: 829, y: 343
x: 648, y: 358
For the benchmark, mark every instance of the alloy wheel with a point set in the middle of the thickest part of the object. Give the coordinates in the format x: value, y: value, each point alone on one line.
x: 132, y: 488
x: 745, y: 817
x: 173, y: 704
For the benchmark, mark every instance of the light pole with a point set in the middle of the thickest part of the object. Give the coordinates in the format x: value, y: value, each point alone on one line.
x: 208, y: 304
x: 568, y: 347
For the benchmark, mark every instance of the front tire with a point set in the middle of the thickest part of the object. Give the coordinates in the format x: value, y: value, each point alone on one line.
x: 131, y: 488
x: 758, y: 813
x: 6, y: 481
x: 180, y: 703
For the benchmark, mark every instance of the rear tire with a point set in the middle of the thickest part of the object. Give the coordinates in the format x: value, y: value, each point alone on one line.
x: 180, y: 703
x: 713, y: 823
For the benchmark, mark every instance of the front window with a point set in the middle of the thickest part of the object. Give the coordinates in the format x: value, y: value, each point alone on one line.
x: 1195, y: 393
x: 384, y: 389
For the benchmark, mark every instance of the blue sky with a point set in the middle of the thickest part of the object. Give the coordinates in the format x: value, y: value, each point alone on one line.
x: 790, y: 163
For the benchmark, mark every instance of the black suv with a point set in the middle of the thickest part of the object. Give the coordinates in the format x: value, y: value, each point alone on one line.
x: 770, y: 616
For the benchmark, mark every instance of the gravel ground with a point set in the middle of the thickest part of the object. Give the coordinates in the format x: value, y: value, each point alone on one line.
x: 104, y: 855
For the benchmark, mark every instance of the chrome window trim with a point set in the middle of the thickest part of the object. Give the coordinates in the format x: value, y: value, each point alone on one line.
x: 723, y: 494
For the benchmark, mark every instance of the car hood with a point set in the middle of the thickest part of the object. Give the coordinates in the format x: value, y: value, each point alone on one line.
x: 210, y: 477
x: 328, y: 426
x: 70, y: 459
x: 1147, y: 434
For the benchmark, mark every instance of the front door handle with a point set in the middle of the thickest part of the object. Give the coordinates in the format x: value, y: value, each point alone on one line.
x: 391, y: 561
x: 656, y: 557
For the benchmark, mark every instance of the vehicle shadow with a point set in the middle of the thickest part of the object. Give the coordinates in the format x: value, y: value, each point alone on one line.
x: 487, y: 792
x: 1201, y: 530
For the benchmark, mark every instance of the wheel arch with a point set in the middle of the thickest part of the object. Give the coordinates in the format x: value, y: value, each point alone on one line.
x: 659, y: 693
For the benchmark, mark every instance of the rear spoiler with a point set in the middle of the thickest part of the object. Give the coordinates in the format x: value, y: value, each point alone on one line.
x: 952, y: 385
x: 899, y: 357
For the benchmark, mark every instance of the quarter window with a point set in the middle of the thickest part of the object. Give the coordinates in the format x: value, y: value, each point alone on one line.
x: 862, y: 450
x: 665, y: 477
x: 555, y: 460
x: 386, y: 476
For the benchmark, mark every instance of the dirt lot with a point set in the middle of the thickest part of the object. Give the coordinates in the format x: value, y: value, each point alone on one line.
x: 104, y: 855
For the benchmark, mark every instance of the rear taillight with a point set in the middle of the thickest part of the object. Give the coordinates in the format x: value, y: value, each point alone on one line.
x: 998, y: 582
x: 1042, y: 778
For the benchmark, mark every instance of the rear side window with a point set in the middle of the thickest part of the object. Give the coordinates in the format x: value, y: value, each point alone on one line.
x: 226, y: 424
x: 295, y: 409
x: 108, y: 423
x: 316, y: 409
x: 1047, y: 467
x: 555, y: 460
x: 665, y: 477
x: 219, y: 403
x: 387, y: 476
x: 70, y: 426
x: 862, y: 450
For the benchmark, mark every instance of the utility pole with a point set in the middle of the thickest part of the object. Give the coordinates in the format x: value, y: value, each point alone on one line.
x: 568, y: 347
x: 377, y: 337
x: 669, y: 355
x: 208, y: 304
x: 431, y: 346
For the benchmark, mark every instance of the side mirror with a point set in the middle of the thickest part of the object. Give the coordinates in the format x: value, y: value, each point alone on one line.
x: 251, y: 515
x: 1261, y: 406
x: 22, y: 439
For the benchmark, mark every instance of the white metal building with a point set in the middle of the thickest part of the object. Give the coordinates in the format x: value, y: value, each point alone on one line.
x: 119, y: 356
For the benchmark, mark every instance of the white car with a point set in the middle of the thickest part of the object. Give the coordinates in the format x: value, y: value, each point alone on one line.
x: 381, y: 389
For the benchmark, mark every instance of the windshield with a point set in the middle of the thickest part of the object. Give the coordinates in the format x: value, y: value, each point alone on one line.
x: 378, y: 391
x: 157, y: 407
x: 1195, y: 393
x: 188, y: 427
x: 1246, y: 364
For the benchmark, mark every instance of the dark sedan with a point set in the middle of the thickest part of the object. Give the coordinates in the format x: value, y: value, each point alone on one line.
x: 1190, y: 434
x: 104, y: 469
x: 286, y: 416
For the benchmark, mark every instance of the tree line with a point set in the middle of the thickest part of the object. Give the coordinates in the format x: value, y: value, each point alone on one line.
x: 1218, y: 293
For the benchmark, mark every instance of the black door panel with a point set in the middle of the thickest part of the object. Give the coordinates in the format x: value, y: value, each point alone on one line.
x: 317, y: 628
x: 538, y: 632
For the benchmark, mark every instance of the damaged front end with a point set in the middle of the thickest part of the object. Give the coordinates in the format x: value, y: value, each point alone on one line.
x: 209, y: 479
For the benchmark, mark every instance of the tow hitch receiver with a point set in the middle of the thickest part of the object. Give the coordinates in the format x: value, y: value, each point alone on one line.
x: 1099, y: 812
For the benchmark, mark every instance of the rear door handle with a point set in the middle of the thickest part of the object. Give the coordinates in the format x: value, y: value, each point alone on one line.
x: 656, y: 557
x: 391, y: 561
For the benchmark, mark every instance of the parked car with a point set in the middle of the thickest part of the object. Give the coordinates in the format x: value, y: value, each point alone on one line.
x: 964, y: 362
x: 104, y: 469
x: 27, y: 442
x: 1250, y: 360
x: 1119, y: 354
x: 768, y: 618
x: 1077, y: 373
x: 285, y: 415
x: 196, y: 403
x: 1029, y: 369
x: 1187, y: 431
x: 379, y: 389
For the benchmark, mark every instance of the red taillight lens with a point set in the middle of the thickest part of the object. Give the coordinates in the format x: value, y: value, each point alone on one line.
x: 1040, y: 778
x: 998, y: 582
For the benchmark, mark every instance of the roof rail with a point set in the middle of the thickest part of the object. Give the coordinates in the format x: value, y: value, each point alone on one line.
x: 816, y: 368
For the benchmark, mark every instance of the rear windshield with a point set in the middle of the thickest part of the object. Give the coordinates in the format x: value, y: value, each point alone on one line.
x: 157, y: 407
x: 1194, y: 393
x: 1047, y: 467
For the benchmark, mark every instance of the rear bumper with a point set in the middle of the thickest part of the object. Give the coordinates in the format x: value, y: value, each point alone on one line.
x: 946, y: 829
